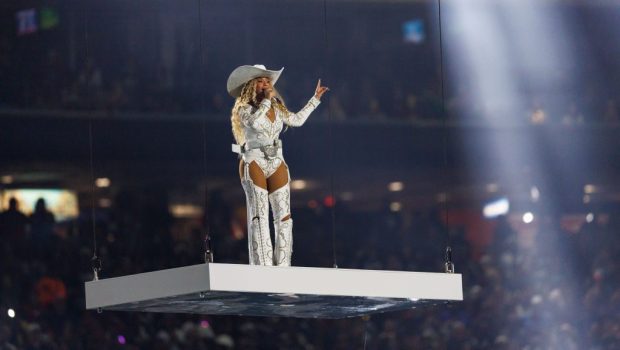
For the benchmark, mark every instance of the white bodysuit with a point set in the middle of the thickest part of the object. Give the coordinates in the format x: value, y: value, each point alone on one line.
x: 260, y: 131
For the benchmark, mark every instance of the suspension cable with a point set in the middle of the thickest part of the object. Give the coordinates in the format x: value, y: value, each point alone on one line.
x: 95, y: 260
x: 208, y: 252
x: 331, y: 141
x: 96, y: 263
x: 448, y: 264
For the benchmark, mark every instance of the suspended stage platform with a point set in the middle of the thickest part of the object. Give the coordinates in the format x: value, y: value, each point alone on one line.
x: 305, y: 292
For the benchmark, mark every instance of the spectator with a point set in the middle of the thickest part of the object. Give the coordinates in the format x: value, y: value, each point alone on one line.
x: 374, y: 110
x: 42, y: 223
x: 13, y: 222
x: 573, y: 116
x: 537, y: 114
x: 411, y: 107
x: 89, y: 85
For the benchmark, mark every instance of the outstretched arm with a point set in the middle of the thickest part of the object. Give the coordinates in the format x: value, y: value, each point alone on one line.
x: 299, y: 118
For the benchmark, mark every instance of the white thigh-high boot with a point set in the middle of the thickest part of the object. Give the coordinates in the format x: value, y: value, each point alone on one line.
x: 280, y: 201
x: 259, y: 240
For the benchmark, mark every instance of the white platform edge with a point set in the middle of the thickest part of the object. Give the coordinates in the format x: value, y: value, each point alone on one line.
x: 273, y: 280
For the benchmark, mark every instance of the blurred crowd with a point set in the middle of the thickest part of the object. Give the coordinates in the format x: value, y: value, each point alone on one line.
x: 556, y: 290
x: 373, y: 96
x: 383, y: 93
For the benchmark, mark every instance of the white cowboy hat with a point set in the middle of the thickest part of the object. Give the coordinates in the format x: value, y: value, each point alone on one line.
x: 243, y: 74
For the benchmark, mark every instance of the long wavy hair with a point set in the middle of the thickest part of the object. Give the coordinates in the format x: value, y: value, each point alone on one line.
x: 248, y: 96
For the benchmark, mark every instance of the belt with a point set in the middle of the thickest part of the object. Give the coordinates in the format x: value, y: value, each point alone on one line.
x: 269, y: 149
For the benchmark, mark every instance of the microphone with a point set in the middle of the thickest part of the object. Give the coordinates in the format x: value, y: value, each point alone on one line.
x: 274, y: 98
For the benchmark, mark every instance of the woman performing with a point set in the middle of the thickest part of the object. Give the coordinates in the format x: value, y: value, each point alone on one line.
x: 258, y: 117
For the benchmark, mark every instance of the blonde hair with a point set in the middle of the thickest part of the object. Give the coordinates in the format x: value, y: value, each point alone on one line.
x: 248, y: 96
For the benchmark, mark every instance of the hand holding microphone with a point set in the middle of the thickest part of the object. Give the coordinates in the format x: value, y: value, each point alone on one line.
x: 268, y: 93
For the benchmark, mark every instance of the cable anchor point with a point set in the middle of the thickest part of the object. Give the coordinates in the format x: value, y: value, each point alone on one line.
x: 208, y: 250
x: 96, y: 266
x: 449, y: 265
